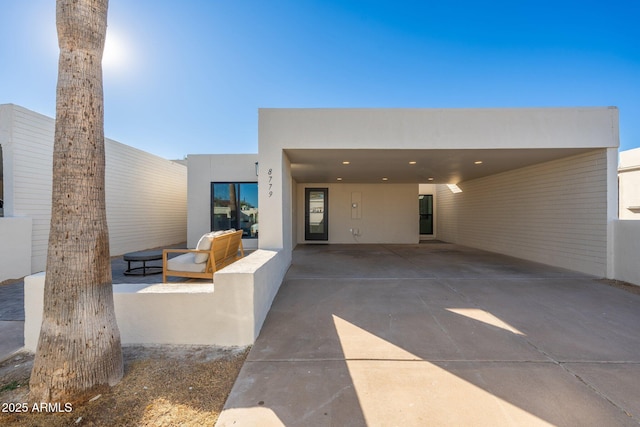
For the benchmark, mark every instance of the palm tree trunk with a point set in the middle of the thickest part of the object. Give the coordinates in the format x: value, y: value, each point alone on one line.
x: 233, y: 206
x: 79, y: 345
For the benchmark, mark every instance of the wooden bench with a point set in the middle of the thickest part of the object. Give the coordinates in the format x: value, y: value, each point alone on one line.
x: 225, y: 249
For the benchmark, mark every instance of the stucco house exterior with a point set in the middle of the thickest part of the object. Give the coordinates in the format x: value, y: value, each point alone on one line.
x: 539, y: 184
x: 535, y: 183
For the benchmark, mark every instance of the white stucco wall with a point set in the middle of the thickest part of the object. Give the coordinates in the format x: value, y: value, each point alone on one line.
x: 145, y: 194
x: 386, y: 213
x: 554, y: 213
x: 627, y: 251
x: 228, y: 312
x: 629, y: 182
x: 426, y: 128
x: 205, y: 169
x: 274, y: 195
x: 15, y: 248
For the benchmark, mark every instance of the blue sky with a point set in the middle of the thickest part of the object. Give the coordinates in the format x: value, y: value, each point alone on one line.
x: 188, y: 77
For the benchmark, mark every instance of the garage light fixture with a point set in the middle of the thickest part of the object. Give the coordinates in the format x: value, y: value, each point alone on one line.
x: 412, y: 162
x: 477, y: 162
x: 346, y: 162
x: 385, y: 178
x: 338, y: 179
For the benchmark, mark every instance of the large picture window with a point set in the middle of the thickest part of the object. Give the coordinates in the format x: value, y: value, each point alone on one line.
x: 235, y: 205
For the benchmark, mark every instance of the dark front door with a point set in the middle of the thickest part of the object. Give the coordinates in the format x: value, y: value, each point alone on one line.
x: 316, y: 212
x: 426, y: 213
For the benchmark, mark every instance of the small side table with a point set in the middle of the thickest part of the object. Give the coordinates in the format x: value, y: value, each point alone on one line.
x: 143, y: 257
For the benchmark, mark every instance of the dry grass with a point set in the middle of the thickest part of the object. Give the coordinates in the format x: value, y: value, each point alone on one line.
x: 162, y: 386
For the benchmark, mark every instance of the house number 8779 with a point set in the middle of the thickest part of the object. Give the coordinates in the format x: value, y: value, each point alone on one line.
x: 270, y: 174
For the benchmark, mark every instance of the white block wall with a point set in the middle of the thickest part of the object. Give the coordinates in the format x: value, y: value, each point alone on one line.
x: 146, y: 199
x: 27, y: 144
x: 629, y: 181
x: 627, y: 251
x: 554, y: 213
x: 145, y: 194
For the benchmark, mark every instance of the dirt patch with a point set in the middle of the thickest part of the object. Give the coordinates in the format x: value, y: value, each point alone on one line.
x: 162, y: 386
x: 634, y: 289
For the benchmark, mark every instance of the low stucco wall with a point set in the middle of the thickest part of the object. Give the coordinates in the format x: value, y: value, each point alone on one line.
x: 252, y: 283
x: 627, y: 251
x: 228, y: 312
x: 15, y: 248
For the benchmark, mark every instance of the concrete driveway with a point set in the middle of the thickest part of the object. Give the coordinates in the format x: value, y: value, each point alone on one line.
x: 439, y: 335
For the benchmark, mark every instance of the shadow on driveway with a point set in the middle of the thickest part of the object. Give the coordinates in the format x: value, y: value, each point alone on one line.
x: 435, y: 335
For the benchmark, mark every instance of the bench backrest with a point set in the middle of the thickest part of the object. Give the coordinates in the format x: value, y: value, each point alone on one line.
x: 224, y: 250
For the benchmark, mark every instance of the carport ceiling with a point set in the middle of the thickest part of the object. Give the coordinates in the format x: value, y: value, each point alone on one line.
x: 443, y: 166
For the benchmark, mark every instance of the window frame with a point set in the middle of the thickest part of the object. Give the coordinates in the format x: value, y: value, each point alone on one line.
x: 237, y: 222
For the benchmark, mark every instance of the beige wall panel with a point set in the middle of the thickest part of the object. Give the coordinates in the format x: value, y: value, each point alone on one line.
x: 388, y: 213
x: 555, y: 213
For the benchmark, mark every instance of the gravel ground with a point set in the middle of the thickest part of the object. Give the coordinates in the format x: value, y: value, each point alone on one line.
x: 162, y: 386
x: 622, y: 285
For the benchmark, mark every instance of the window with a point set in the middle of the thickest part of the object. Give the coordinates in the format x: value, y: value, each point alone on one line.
x: 235, y: 205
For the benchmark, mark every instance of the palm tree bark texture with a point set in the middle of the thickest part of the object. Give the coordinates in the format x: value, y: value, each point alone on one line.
x: 79, y: 345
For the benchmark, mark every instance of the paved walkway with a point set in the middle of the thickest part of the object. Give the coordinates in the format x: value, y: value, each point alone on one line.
x: 11, y: 319
x: 439, y: 335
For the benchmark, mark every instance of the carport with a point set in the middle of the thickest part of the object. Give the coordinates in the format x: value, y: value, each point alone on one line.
x: 535, y: 183
x: 439, y: 334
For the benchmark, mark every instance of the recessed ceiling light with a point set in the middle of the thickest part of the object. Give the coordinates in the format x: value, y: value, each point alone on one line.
x: 430, y: 178
x: 339, y: 179
x: 346, y: 162
x: 412, y: 162
x: 385, y: 179
x: 477, y: 162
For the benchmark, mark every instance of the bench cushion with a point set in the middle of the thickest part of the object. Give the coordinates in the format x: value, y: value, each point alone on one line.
x: 186, y: 262
x: 204, y: 244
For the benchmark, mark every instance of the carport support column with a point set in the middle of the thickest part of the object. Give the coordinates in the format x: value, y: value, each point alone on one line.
x: 275, y: 200
x: 612, y: 208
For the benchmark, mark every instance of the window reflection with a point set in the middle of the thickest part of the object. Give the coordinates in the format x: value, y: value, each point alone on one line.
x: 235, y: 205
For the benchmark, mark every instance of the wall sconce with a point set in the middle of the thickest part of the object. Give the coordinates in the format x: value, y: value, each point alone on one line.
x: 256, y: 168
